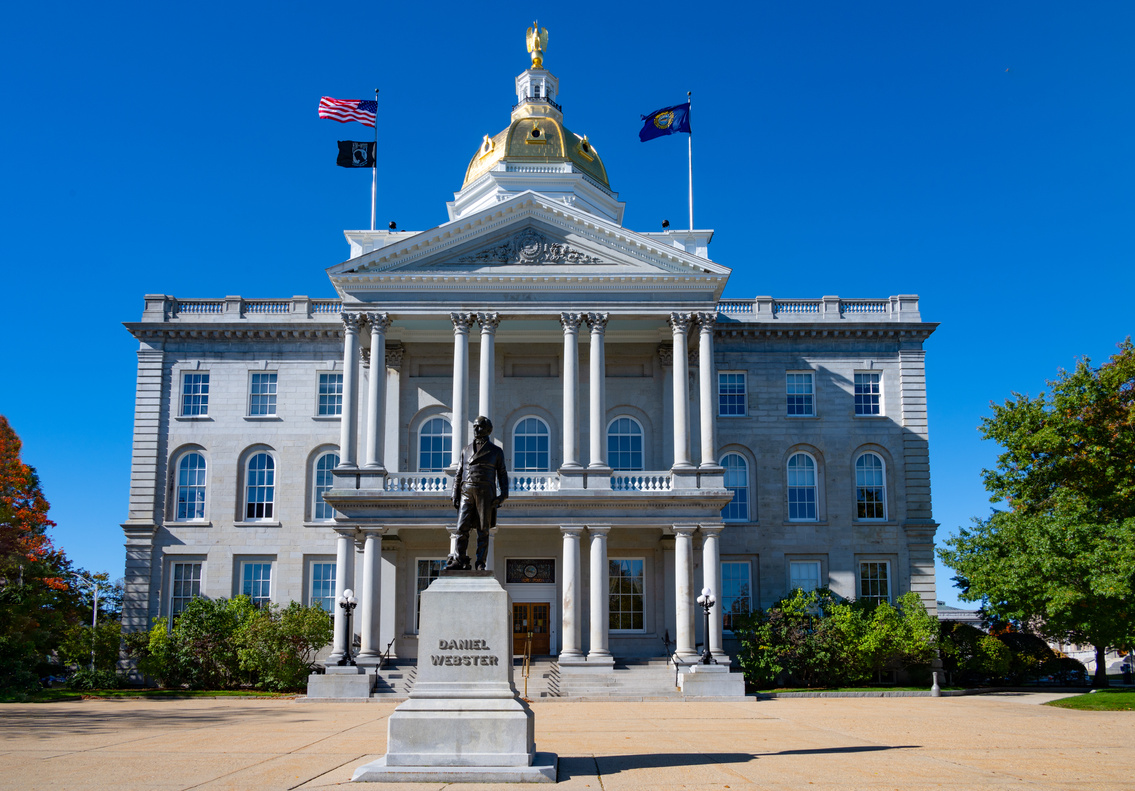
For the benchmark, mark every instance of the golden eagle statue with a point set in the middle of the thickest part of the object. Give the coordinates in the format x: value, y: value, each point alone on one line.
x: 537, y: 43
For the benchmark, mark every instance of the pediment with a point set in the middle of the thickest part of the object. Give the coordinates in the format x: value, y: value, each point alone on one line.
x: 528, y: 236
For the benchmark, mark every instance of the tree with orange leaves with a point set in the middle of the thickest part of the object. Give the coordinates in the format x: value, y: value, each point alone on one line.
x: 36, y: 598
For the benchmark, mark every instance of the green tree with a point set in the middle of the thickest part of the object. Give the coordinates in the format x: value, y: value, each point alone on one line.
x: 81, y: 639
x: 1061, y: 560
x: 278, y: 646
x: 36, y: 601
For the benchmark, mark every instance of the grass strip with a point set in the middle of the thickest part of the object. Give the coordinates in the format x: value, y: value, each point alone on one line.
x: 1101, y: 700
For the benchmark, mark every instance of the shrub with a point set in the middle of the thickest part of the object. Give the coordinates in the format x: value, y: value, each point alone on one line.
x: 278, y: 646
x: 86, y: 679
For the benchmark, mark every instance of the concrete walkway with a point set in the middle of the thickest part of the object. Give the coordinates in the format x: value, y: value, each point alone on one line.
x: 839, y: 743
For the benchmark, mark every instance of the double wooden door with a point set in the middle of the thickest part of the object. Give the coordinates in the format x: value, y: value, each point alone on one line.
x: 531, y: 617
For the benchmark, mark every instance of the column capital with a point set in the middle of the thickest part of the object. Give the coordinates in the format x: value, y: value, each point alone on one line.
x: 462, y: 322
x: 572, y: 530
x: 489, y: 322
x: 394, y: 356
x: 666, y: 354
x: 679, y: 322
x: 351, y: 320
x: 378, y: 321
x: 712, y: 529
x: 597, y: 321
x: 706, y: 319
x: 571, y: 321
x: 684, y: 530
x: 598, y: 530
x: 371, y: 530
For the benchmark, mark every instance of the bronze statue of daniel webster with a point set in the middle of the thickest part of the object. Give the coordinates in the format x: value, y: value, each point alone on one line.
x: 480, y: 486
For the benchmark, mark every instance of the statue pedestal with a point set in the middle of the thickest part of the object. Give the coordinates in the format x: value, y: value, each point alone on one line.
x: 464, y: 721
x: 345, y: 682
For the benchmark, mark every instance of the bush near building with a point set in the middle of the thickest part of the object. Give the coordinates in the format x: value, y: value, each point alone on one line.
x: 973, y: 658
x: 813, y: 639
x: 230, y: 643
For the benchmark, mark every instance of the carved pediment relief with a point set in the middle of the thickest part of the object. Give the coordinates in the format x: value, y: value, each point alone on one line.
x: 529, y: 247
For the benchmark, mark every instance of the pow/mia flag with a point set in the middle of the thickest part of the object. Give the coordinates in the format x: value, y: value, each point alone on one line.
x: 353, y: 154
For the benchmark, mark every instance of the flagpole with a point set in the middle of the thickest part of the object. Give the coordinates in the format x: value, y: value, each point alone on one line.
x: 374, y: 167
x: 690, y: 152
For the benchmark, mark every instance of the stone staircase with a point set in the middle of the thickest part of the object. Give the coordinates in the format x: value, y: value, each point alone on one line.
x: 395, y: 680
x: 629, y: 679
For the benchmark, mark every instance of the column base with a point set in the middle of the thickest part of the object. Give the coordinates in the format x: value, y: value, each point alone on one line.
x: 572, y: 659
x: 599, y: 660
x: 573, y: 477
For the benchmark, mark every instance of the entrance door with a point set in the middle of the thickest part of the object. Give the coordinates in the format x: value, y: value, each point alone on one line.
x: 531, y: 617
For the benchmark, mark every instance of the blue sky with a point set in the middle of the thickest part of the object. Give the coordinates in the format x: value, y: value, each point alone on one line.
x: 978, y: 154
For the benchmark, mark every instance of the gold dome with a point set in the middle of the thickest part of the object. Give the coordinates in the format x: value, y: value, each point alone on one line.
x: 537, y: 140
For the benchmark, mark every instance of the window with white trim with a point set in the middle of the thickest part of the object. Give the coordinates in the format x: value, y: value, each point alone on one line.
x: 627, y: 586
x: 624, y: 444
x: 322, y: 591
x: 870, y: 487
x: 802, y: 488
x: 185, y: 583
x: 875, y: 581
x: 321, y: 481
x: 800, y: 397
x: 735, y: 597
x: 260, y: 487
x: 868, y: 393
x: 262, y: 394
x: 736, y: 481
x: 330, y: 395
x: 731, y: 394
x: 804, y: 575
x: 256, y: 581
x: 531, y: 441
x: 429, y: 569
x: 435, y: 445
x: 194, y: 394
x: 190, y: 495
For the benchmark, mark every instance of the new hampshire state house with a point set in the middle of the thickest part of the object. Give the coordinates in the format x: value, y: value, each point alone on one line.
x: 660, y: 438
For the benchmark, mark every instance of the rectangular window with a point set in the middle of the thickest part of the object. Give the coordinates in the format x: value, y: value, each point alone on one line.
x: 800, y: 394
x: 731, y: 394
x: 185, y: 583
x: 804, y: 575
x: 874, y: 581
x: 262, y: 395
x: 627, y: 593
x: 256, y: 582
x: 330, y: 394
x: 428, y: 571
x: 867, y: 393
x: 735, y: 599
x: 323, y: 585
x: 194, y: 394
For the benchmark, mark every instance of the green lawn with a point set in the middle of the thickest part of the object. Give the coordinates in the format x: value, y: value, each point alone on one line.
x: 1103, y: 700
x: 54, y: 695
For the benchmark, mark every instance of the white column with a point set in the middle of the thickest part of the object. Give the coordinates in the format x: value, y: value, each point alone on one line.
x: 598, y: 324
x: 679, y: 326
x: 461, y: 324
x: 600, y: 603
x: 453, y: 538
x: 344, y: 572
x: 348, y: 420
x: 684, y: 590
x: 370, y: 602
x: 393, y: 408
x: 572, y: 578
x: 711, y: 577
x: 570, y: 323
x: 489, y: 323
x: 706, y: 322
x: 491, y: 551
x: 376, y: 390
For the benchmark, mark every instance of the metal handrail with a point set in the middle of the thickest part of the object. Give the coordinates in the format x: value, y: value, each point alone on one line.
x: 384, y: 657
x: 671, y: 656
x: 527, y: 665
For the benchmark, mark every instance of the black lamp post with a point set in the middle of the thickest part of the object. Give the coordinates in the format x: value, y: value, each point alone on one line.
x: 348, y: 602
x: 707, y: 601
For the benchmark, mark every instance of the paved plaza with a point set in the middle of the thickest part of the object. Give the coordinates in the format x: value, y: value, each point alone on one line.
x: 998, y: 741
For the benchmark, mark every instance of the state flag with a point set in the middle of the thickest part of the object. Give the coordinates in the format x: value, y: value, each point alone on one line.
x: 667, y: 121
x: 353, y: 154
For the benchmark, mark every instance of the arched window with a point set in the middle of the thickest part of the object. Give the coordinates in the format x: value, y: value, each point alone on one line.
x: 260, y: 487
x: 435, y: 445
x: 736, y: 481
x: 530, y: 442
x: 624, y: 444
x: 320, y: 483
x: 802, y: 488
x: 191, y: 487
x: 870, y: 487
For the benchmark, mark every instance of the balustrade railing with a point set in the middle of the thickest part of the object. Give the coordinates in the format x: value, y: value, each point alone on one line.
x: 326, y: 305
x: 534, y: 482
x: 267, y: 306
x: 900, y: 308
x: 418, y: 482
x: 198, y: 306
x: 641, y: 482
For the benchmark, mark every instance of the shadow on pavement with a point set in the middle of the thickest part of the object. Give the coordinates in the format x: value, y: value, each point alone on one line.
x: 867, y: 748
x: 51, y: 724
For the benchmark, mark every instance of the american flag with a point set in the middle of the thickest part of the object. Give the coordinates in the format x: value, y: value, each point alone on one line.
x: 344, y: 110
